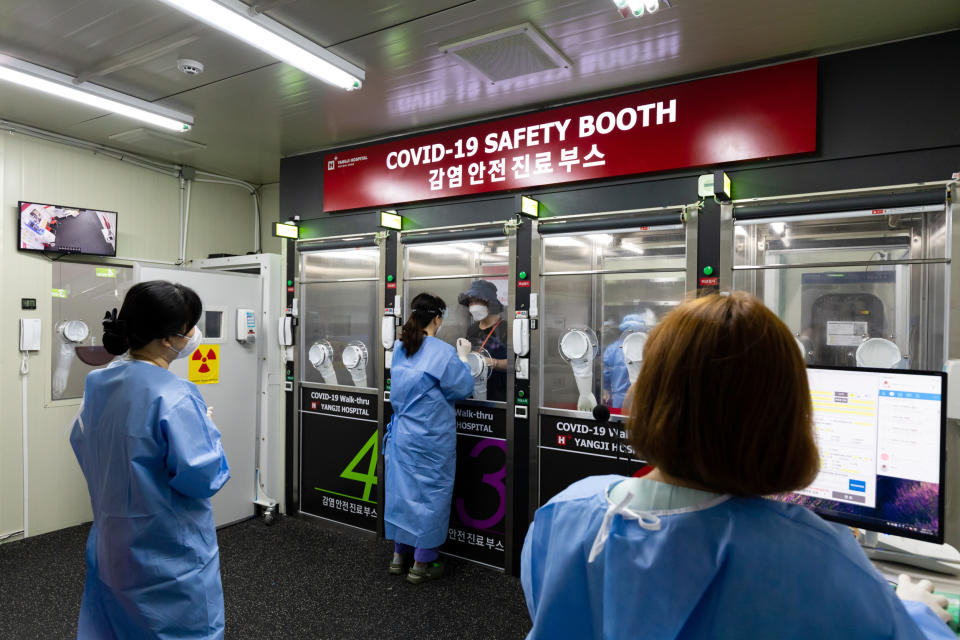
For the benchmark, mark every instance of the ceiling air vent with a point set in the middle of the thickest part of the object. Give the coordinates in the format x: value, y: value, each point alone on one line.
x: 158, y: 143
x: 508, y: 53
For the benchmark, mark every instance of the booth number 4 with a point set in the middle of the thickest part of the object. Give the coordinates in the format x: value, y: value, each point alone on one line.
x: 370, y: 477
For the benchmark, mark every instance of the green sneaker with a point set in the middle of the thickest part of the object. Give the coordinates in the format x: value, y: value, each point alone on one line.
x: 432, y: 571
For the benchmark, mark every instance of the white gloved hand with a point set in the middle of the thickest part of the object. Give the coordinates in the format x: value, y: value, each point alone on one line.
x: 359, y: 377
x: 328, y: 373
x: 922, y: 591
x: 210, y: 412
x: 463, y: 349
x: 586, y: 402
x: 583, y: 374
x: 61, y: 375
x: 480, y: 389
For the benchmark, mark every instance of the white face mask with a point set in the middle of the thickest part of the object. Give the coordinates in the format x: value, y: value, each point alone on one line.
x: 479, y: 311
x: 192, y: 343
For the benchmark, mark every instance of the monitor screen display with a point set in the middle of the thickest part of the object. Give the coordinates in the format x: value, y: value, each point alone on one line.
x: 881, y: 439
x: 57, y: 229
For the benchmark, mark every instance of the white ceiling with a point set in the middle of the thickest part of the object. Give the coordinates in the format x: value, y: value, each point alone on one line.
x: 251, y: 110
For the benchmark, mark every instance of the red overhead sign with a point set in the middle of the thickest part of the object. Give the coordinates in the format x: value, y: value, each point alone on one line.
x: 754, y: 114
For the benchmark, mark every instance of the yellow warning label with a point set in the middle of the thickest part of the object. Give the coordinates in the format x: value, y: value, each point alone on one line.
x: 205, y: 364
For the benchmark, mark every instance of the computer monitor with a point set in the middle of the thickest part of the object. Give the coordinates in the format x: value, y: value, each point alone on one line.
x: 881, y: 437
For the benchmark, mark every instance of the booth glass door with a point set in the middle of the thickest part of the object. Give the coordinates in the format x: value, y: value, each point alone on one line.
x: 856, y: 289
x: 339, y: 402
x: 478, y: 518
x: 601, y: 293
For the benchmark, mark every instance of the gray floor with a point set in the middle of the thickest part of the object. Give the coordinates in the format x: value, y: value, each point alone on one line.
x: 297, y: 579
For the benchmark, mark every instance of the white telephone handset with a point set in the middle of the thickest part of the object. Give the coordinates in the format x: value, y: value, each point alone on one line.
x: 286, y: 331
x: 30, y: 334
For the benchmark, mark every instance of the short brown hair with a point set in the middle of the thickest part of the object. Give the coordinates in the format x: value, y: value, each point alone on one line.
x: 722, y: 399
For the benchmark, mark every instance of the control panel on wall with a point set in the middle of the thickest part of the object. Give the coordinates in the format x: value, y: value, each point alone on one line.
x: 246, y: 326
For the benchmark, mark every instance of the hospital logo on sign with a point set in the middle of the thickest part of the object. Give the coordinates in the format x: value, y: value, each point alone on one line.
x: 205, y: 364
x: 332, y: 164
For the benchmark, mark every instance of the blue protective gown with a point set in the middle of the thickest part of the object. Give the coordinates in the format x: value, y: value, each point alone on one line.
x: 737, y: 568
x: 152, y: 460
x: 420, y: 450
x: 616, y: 378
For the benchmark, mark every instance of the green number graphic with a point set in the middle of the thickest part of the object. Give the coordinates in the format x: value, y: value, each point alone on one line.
x: 370, y: 477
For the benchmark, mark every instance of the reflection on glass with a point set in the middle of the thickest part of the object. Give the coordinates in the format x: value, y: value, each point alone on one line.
x: 471, y: 258
x: 341, y: 314
x: 82, y: 294
x: 475, y: 301
x: 339, y: 264
x: 633, y: 279
x: 857, y: 314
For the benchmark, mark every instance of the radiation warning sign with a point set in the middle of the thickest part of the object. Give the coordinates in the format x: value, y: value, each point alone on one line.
x: 205, y: 364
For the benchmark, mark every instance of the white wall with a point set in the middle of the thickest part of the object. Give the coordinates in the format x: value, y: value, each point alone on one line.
x: 221, y: 221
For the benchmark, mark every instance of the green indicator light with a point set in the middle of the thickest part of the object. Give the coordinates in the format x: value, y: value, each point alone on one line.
x: 289, y: 283
x: 521, y: 393
x: 523, y: 275
x: 708, y: 270
x: 389, y: 278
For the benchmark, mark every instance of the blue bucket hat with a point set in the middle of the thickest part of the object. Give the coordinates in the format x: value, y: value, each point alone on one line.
x: 482, y: 290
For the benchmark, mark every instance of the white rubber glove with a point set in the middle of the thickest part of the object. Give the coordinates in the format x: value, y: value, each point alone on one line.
x: 633, y: 371
x: 922, y: 591
x: 463, y: 349
x: 480, y: 389
x: 61, y: 375
x: 583, y: 374
x: 327, y: 372
x: 210, y: 412
x: 359, y: 377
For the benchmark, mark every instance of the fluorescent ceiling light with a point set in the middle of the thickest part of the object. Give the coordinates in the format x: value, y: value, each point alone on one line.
x: 61, y: 85
x: 271, y: 37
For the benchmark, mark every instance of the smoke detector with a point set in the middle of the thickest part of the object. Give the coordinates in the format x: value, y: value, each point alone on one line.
x: 190, y: 67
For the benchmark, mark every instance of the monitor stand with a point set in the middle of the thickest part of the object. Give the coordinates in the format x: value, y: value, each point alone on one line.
x: 882, y: 552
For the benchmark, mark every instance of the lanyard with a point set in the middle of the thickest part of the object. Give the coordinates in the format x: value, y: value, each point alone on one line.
x: 494, y: 328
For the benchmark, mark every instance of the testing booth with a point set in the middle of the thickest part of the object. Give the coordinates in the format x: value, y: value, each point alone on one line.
x: 862, y: 278
x: 603, y: 281
x: 585, y: 225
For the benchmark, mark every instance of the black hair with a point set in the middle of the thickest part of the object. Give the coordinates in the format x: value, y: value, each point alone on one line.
x: 424, y: 308
x: 151, y: 310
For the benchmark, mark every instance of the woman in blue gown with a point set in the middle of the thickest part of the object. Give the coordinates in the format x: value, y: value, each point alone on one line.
x: 427, y: 376
x: 152, y: 459
x: 722, y: 409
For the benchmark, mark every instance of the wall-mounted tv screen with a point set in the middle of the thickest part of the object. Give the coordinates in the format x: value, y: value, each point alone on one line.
x: 56, y: 229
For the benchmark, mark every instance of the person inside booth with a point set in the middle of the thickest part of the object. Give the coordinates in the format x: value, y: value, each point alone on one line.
x: 722, y: 410
x: 487, y: 332
x: 616, y: 372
